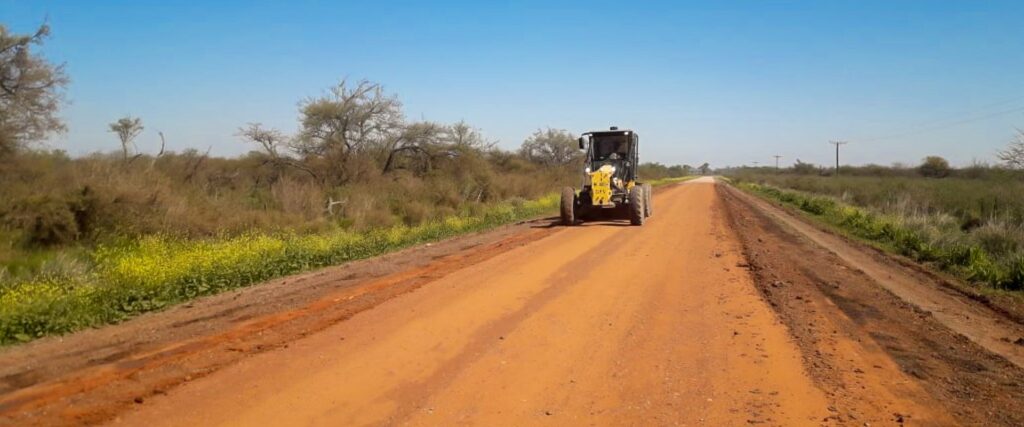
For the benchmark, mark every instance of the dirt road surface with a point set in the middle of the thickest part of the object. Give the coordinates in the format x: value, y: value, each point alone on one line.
x: 713, y: 313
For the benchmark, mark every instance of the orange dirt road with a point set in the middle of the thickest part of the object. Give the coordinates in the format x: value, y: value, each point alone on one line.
x: 602, y: 323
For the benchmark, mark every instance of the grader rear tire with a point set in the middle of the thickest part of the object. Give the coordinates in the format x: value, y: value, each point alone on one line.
x: 568, y: 206
x: 648, y: 195
x: 636, y: 205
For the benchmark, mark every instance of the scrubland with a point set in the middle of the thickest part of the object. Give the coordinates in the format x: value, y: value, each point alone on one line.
x: 970, y: 223
x: 91, y: 240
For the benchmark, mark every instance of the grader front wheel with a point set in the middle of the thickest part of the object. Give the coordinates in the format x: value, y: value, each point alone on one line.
x: 568, y: 206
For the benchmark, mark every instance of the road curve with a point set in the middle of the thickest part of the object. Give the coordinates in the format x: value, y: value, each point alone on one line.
x: 603, y: 323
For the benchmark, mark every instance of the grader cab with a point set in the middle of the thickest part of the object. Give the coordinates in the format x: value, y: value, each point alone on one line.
x: 610, y: 185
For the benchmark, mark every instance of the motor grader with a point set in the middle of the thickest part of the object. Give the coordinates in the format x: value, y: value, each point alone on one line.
x: 610, y: 185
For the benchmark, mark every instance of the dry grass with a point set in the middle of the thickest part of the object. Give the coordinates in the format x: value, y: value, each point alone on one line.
x: 988, y: 254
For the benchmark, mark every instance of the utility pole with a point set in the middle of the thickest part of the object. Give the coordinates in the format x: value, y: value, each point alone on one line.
x: 777, y: 157
x: 837, y: 144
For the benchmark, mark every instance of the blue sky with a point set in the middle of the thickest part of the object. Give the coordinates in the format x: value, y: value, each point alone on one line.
x: 725, y: 82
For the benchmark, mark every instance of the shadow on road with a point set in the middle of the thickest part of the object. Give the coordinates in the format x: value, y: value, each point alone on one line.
x: 605, y: 223
x: 550, y: 222
x: 555, y: 222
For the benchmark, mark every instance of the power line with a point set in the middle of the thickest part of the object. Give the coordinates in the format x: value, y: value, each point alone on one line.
x: 968, y: 113
x: 777, y: 157
x: 939, y: 125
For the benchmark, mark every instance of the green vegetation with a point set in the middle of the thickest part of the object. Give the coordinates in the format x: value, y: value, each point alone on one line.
x: 970, y: 202
x: 156, y: 271
x: 658, y: 171
x: 913, y: 218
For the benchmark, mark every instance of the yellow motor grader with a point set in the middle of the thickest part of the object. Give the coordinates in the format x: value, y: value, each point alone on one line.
x: 609, y: 180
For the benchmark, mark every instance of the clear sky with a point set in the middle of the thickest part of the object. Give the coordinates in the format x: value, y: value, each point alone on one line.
x: 725, y: 82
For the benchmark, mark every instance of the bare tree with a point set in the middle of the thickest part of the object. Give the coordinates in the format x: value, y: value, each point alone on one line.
x: 31, y: 90
x: 420, y: 142
x: 551, y: 147
x: 127, y: 129
x: 272, y: 142
x: 163, y: 144
x: 464, y: 136
x: 1013, y: 155
x: 345, y: 122
x: 159, y: 154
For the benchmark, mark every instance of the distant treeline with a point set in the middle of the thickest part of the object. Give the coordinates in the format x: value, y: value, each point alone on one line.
x: 930, y: 167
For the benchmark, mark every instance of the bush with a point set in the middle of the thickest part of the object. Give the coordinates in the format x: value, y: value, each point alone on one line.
x: 46, y: 221
x: 934, y: 167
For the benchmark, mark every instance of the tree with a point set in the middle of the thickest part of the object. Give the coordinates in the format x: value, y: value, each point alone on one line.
x: 127, y: 129
x: 420, y: 142
x: 464, y: 136
x: 551, y: 147
x: 804, y: 168
x: 272, y: 141
x: 1013, y: 155
x: 704, y: 168
x: 31, y: 91
x: 346, y: 122
x: 934, y: 167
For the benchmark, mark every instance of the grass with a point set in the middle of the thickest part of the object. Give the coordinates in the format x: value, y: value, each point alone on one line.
x: 965, y: 200
x: 666, y: 181
x: 980, y: 256
x: 135, y: 276
x: 157, y: 271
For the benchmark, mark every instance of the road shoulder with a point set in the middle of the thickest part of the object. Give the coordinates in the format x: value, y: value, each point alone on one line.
x: 826, y: 299
x: 106, y: 370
